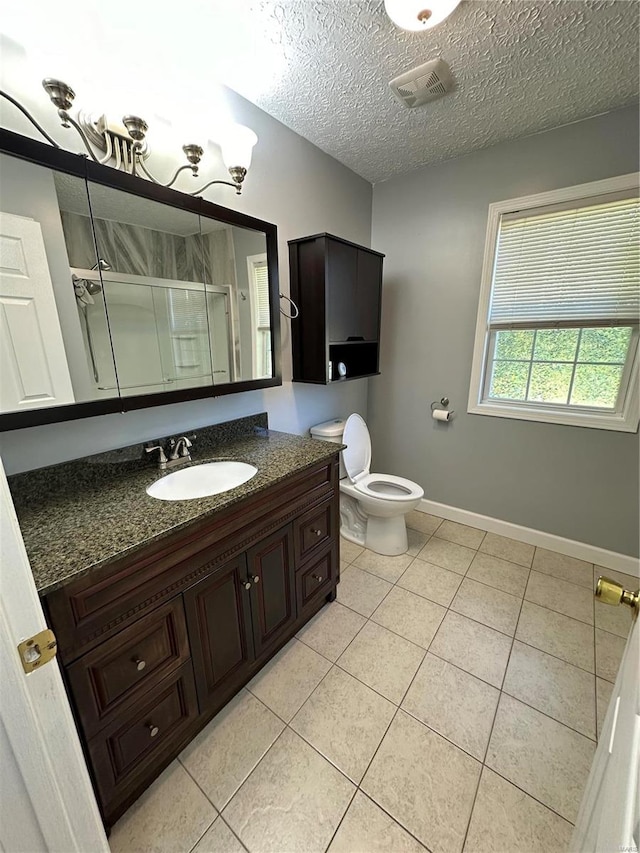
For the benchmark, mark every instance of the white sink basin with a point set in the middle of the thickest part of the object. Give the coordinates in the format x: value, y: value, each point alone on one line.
x: 201, y: 481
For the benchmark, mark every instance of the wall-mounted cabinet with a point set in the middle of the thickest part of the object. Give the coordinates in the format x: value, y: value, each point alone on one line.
x: 337, y: 286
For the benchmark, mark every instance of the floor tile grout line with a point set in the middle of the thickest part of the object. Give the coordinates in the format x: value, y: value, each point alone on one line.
x: 528, y: 794
x: 456, y: 666
x: 490, y: 627
x: 232, y: 831
x: 344, y: 814
x: 397, y: 709
x: 506, y: 559
x: 482, y: 763
x: 478, y: 551
x: 489, y: 586
x: 217, y: 810
x: 493, y: 722
x: 206, y: 830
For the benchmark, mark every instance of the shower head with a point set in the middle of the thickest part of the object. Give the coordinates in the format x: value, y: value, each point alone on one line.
x: 101, y: 264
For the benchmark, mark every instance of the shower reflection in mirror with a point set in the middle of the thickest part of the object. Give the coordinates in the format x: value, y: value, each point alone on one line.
x: 162, y: 308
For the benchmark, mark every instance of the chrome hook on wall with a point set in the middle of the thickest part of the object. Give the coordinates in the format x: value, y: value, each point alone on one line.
x: 291, y: 316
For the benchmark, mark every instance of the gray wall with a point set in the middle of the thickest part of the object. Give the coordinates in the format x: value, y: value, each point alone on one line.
x: 574, y: 482
x: 291, y: 183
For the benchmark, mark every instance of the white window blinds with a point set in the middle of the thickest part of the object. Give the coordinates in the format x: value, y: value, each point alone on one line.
x: 578, y: 266
x: 261, y: 284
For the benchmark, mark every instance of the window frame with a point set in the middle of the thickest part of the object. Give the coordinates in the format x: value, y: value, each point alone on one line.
x: 627, y: 414
x: 253, y: 262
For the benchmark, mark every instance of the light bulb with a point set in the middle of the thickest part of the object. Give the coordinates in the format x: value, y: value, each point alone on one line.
x: 419, y: 15
x: 236, y: 143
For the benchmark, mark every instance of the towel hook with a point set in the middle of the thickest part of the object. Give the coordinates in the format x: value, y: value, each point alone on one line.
x: 291, y: 316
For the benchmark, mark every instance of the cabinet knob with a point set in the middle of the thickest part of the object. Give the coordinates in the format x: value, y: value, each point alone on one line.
x: 316, y: 532
x: 318, y: 578
x: 140, y: 664
x: 247, y: 584
x: 255, y: 578
x: 153, y: 730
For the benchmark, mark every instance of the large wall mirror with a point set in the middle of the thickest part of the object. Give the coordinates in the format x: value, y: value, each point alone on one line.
x: 117, y: 294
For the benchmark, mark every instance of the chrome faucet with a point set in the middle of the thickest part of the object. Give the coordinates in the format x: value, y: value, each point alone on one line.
x: 177, y: 449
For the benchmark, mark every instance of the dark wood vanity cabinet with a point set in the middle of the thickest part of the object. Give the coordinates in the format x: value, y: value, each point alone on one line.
x: 155, y: 643
x: 337, y: 286
x: 273, y: 592
x: 220, y: 630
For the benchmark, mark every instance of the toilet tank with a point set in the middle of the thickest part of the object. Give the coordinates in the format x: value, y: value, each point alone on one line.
x: 331, y: 431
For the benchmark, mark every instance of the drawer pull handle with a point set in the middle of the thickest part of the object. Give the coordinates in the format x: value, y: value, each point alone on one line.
x: 153, y: 730
x: 317, y: 532
x: 318, y: 578
x: 140, y: 664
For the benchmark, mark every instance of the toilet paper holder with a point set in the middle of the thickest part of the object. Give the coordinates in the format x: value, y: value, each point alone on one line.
x: 443, y: 403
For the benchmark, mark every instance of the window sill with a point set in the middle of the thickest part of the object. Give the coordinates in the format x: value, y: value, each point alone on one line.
x: 627, y: 422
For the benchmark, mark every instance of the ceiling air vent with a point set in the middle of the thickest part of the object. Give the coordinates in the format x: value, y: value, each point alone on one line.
x: 422, y: 84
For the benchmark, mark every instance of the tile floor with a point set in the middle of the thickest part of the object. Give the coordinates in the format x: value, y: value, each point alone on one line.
x: 449, y: 700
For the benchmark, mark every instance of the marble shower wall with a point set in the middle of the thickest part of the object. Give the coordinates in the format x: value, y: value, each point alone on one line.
x: 135, y: 250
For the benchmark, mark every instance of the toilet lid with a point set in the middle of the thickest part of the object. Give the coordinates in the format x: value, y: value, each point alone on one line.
x: 357, y: 455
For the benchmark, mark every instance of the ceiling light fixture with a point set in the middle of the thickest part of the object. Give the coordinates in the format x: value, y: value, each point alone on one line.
x: 125, y: 142
x: 419, y: 15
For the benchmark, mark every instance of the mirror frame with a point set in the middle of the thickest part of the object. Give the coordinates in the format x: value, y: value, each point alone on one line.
x: 81, y: 166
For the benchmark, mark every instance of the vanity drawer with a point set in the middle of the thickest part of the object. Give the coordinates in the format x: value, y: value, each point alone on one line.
x: 316, y: 579
x: 314, y: 530
x: 107, y: 679
x: 136, y: 741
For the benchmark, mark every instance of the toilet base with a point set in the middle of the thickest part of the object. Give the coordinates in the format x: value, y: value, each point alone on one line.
x: 387, y: 536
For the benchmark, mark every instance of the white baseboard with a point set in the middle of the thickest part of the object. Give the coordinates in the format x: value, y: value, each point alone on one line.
x: 570, y: 547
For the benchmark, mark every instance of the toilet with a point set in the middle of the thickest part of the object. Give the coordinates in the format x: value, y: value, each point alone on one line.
x: 372, y: 506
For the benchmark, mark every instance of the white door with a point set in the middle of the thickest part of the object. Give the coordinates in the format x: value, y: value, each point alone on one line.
x: 46, y: 799
x: 33, y: 368
x: 609, y: 818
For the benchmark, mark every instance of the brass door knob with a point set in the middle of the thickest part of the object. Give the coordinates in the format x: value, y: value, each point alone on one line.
x: 611, y: 592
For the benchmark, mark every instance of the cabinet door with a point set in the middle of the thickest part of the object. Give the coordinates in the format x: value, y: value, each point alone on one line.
x: 273, y: 602
x: 219, y: 626
x: 342, y: 270
x: 368, y: 295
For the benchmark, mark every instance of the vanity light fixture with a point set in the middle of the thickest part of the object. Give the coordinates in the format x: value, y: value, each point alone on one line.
x: 126, y: 143
x: 417, y: 15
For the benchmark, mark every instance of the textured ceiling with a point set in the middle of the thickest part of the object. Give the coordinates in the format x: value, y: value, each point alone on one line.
x: 322, y: 67
x: 521, y: 66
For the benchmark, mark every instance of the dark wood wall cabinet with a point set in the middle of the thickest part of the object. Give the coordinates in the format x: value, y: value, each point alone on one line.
x: 154, y: 644
x: 337, y: 286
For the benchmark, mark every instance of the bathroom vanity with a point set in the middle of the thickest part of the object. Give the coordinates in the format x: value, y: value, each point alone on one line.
x: 164, y: 610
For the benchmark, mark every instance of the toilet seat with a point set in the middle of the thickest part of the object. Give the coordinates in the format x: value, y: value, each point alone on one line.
x: 357, y: 460
x: 389, y: 487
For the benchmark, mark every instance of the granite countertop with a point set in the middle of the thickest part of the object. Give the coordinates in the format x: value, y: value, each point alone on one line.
x: 82, y: 514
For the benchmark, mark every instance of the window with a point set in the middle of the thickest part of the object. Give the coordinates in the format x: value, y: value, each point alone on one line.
x: 259, y: 288
x: 557, y: 331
